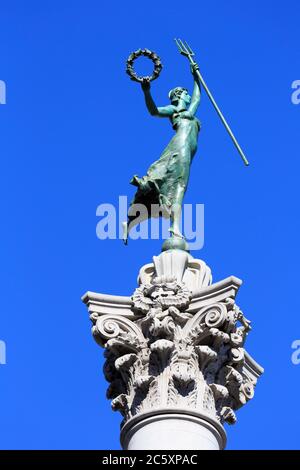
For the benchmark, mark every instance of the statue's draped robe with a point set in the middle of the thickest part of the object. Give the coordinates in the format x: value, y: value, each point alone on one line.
x: 164, y: 176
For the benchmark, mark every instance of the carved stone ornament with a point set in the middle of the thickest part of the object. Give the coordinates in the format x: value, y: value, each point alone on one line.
x: 176, y: 344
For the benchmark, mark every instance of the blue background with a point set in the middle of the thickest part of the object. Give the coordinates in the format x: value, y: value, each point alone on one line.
x: 73, y: 132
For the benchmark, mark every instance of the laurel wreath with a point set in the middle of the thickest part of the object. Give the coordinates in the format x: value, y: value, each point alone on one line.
x: 146, y: 53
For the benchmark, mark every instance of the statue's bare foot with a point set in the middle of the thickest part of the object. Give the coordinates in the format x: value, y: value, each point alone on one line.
x: 135, y: 181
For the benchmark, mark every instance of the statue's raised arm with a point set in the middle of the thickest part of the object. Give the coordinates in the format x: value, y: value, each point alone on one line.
x: 165, y: 111
x: 196, y: 96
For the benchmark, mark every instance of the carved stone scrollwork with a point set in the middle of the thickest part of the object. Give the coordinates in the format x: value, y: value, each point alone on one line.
x: 169, y: 355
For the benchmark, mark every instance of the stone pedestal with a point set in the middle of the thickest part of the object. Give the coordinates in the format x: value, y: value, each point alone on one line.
x: 175, y: 356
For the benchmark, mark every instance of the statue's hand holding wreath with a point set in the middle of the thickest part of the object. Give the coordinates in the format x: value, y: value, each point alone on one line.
x: 145, y: 84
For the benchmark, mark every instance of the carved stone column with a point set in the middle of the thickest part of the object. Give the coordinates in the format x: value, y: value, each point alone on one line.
x: 175, y: 356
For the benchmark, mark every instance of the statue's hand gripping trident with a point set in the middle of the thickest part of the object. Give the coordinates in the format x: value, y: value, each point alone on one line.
x: 186, y: 50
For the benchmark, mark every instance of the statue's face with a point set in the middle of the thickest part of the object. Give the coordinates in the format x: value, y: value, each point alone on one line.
x: 180, y: 94
x: 185, y: 97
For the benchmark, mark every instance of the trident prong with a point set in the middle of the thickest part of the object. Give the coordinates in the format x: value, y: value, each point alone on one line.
x: 189, y: 48
x: 177, y: 44
x: 182, y: 48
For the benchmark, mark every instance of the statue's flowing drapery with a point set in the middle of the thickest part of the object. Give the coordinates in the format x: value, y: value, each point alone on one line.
x: 171, y: 171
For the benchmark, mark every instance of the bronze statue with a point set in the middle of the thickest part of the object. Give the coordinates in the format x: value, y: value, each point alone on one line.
x: 167, y: 178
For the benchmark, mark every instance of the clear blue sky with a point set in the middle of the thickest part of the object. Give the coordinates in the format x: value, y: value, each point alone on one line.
x: 73, y: 132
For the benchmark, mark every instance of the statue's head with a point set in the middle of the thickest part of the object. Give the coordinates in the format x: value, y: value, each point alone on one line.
x: 179, y: 93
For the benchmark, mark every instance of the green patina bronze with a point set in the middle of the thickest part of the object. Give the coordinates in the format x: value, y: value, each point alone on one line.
x: 166, y: 180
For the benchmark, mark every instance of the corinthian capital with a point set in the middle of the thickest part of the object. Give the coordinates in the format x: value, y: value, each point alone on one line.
x: 176, y: 346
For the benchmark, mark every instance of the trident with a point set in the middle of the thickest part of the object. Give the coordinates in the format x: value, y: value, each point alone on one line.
x: 185, y: 50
